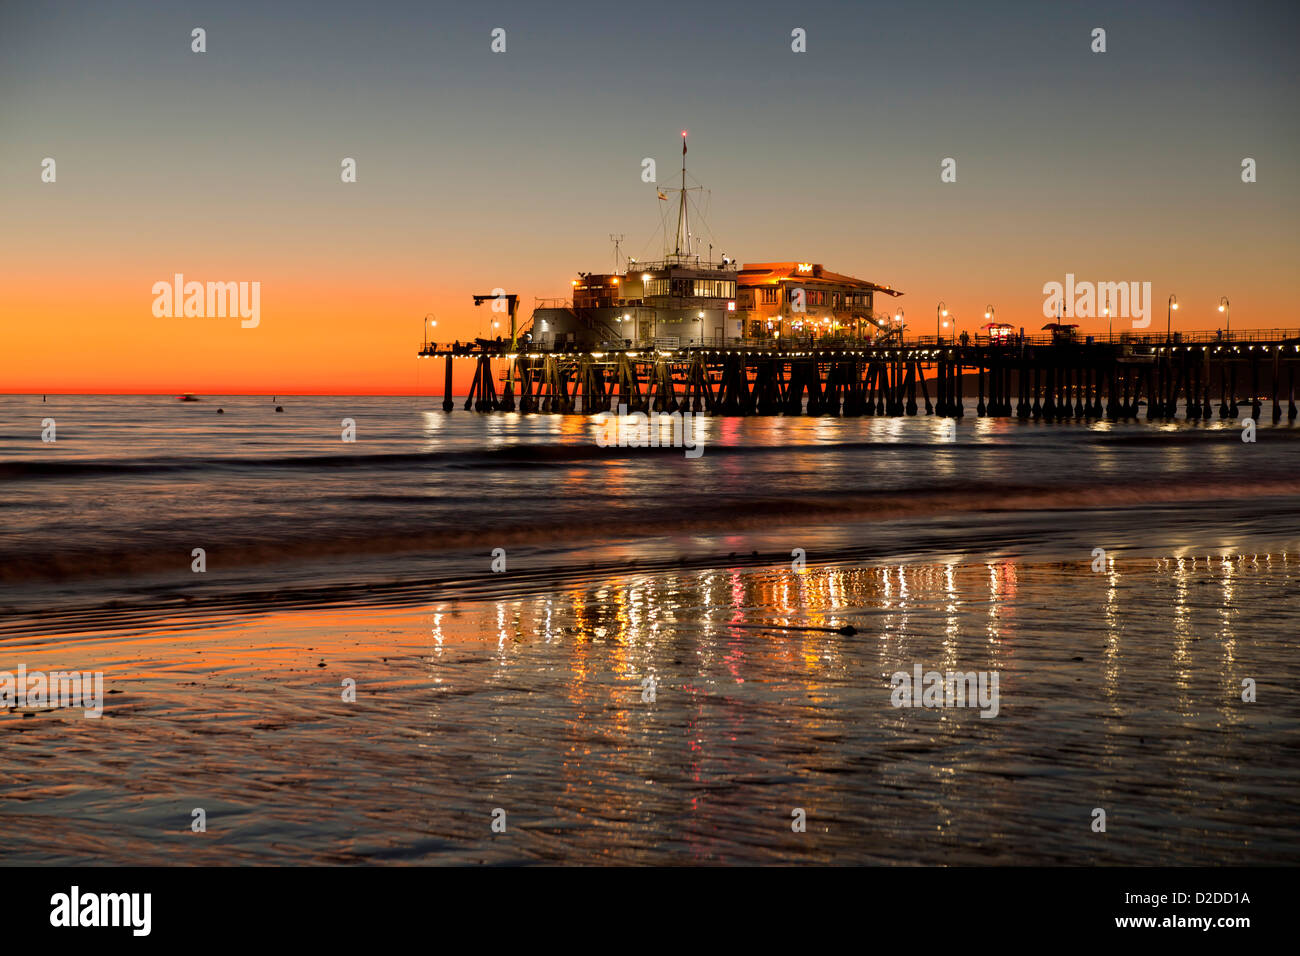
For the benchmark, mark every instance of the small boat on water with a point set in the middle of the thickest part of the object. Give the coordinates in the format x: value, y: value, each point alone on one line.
x: 187, y: 398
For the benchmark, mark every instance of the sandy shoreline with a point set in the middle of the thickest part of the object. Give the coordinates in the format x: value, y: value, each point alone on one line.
x: 1119, y: 689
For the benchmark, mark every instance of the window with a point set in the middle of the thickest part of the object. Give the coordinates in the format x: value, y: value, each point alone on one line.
x: 715, y: 289
x: 769, y: 295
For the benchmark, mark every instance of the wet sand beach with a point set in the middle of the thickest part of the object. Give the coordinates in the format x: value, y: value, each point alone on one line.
x: 1119, y: 689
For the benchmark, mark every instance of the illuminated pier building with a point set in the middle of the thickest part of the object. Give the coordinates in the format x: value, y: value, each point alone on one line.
x: 688, y: 299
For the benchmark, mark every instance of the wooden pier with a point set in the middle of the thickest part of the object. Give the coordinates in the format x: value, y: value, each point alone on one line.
x: 1040, y: 378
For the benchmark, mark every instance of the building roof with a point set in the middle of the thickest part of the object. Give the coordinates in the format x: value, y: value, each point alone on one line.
x: 760, y: 273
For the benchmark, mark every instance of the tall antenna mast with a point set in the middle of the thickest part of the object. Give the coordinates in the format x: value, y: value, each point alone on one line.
x: 616, y: 240
x: 683, y: 226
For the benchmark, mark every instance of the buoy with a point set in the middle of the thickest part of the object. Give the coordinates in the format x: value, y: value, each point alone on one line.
x: 221, y: 411
x: 279, y: 408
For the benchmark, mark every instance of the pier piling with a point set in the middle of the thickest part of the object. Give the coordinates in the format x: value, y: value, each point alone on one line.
x: 1045, y: 381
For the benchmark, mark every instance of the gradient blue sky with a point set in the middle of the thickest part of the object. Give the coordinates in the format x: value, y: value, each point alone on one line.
x: 479, y: 170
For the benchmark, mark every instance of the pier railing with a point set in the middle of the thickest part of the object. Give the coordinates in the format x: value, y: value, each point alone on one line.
x: 1145, y: 337
x: 831, y: 343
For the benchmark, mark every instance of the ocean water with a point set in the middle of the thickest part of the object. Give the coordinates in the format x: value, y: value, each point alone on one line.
x: 284, y: 509
x: 766, y: 590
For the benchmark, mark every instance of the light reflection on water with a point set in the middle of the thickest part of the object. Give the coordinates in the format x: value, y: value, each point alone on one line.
x: 1118, y: 689
x: 113, y: 509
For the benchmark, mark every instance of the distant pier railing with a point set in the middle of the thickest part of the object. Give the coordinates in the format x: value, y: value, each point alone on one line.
x: 1054, y: 376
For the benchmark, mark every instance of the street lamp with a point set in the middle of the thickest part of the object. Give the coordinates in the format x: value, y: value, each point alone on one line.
x: 424, y: 329
x: 940, y: 311
x: 701, y: 318
x: 901, y: 326
x: 1170, y: 309
x: 1227, y: 317
x: 1110, y: 329
x: 988, y: 314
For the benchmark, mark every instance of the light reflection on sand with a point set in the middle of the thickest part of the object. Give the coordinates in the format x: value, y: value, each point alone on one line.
x: 1119, y: 689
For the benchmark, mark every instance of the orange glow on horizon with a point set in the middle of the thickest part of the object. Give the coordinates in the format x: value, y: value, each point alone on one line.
x: 339, y: 333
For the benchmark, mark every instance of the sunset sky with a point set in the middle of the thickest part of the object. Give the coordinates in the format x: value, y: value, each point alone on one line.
x: 479, y: 170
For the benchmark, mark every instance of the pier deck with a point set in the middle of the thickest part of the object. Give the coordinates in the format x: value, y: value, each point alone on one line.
x: 1040, y: 377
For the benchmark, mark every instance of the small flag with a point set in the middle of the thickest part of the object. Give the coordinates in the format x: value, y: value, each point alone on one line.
x: 661, y: 195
